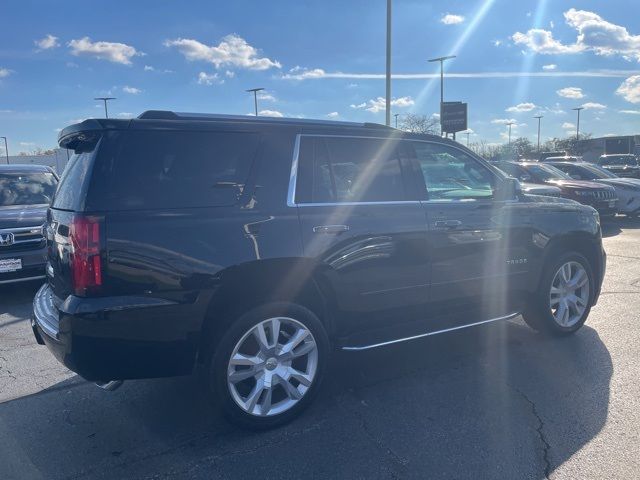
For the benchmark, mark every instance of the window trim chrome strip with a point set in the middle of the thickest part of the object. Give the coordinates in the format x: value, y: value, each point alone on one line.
x: 422, y: 335
x: 293, y: 177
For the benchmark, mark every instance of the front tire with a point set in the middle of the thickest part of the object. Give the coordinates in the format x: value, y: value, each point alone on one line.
x: 268, y: 365
x: 564, y: 297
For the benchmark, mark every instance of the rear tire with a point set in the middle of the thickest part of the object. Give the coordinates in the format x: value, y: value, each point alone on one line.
x: 268, y: 365
x: 564, y: 297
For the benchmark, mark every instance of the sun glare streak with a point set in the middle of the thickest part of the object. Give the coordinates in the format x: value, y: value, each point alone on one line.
x: 524, y: 82
x: 456, y: 49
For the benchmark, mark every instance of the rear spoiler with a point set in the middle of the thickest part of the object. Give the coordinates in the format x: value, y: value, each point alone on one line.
x: 84, y: 135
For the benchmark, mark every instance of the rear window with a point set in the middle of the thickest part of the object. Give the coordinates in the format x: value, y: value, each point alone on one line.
x: 172, y: 169
x: 345, y: 169
x: 26, y: 188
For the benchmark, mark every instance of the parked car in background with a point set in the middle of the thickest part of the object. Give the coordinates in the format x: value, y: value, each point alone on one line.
x: 627, y: 189
x: 25, y: 194
x: 597, y: 195
x: 249, y: 246
x: 623, y: 165
x: 563, y: 158
x: 539, y: 189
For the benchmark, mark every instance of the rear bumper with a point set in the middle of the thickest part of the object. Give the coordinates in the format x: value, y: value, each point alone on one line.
x: 107, y: 339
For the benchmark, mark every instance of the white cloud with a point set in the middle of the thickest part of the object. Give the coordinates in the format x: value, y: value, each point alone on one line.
x: 630, y: 112
x: 111, y: 51
x: 568, y: 126
x: 270, y: 113
x: 232, y: 51
x: 556, y: 109
x: 266, y: 96
x: 522, y: 107
x: 131, y: 90
x: 570, y: 92
x: 5, y: 72
x: 593, y: 106
x: 209, y: 78
x: 124, y: 115
x: 629, y: 89
x: 27, y: 144
x: 550, y: 67
x: 551, y: 24
x: 301, y: 73
x: 149, y: 68
x: 230, y: 73
x: 352, y: 85
x: 497, y: 43
x: 450, y: 19
x: 48, y: 42
x: 378, y: 104
x: 503, y: 121
x: 333, y: 115
x: 593, y: 34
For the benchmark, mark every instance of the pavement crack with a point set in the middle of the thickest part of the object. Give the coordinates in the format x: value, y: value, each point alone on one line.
x: 546, y: 448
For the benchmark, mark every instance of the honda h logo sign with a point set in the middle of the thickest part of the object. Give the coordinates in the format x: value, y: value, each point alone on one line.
x: 6, y: 239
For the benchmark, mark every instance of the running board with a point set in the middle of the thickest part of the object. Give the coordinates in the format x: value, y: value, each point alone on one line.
x: 437, y: 332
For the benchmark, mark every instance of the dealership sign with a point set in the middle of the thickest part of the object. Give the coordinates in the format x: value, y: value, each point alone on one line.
x: 453, y: 117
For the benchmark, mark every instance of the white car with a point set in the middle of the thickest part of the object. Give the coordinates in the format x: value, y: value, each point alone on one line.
x: 627, y: 189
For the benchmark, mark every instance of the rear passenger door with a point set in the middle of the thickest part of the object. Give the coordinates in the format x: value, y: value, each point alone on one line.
x: 361, y: 225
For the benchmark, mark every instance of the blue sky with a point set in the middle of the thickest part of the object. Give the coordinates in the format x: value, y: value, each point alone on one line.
x: 321, y: 60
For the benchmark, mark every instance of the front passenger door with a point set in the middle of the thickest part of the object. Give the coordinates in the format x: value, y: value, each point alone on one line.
x: 477, y: 248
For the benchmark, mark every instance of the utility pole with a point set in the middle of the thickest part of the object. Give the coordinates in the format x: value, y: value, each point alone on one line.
x: 467, y: 134
x: 396, y: 117
x: 577, y: 109
x: 539, y: 117
x: 105, y: 100
x: 441, y: 60
x: 6, y: 149
x: 509, y: 125
x: 388, y: 71
x: 255, y: 97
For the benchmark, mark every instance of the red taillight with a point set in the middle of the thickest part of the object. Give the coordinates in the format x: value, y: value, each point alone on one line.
x: 86, y: 264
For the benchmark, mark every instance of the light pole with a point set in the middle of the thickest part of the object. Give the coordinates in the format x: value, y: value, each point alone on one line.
x: 577, y: 109
x: 441, y: 60
x: 6, y: 149
x: 467, y: 134
x: 539, y: 117
x: 105, y: 100
x: 396, y: 115
x: 388, y: 70
x: 255, y: 96
x: 509, y: 125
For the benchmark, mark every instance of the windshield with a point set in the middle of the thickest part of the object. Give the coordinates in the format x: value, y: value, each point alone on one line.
x: 544, y: 173
x: 26, y: 188
x: 619, y: 160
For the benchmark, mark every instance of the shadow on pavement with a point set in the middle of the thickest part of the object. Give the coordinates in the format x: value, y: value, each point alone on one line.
x: 491, y: 402
x: 614, y: 226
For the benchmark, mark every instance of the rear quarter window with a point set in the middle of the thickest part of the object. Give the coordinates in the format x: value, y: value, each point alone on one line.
x: 173, y: 169
x: 70, y: 192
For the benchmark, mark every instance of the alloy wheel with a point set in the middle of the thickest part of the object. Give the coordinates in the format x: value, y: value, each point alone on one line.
x: 272, y: 366
x: 569, y: 294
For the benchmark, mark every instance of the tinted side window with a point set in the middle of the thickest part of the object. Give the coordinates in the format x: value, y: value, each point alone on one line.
x: 70, y: 192
x: 345, y: 169
x: 451, y: 174
x: 175, y: 169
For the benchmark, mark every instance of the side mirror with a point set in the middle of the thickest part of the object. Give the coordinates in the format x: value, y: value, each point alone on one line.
x: 508, y: 189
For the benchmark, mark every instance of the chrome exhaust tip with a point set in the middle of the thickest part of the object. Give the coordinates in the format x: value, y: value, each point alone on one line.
x: 110, y: 385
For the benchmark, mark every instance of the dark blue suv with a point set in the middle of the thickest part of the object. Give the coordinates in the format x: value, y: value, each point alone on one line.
x: 250, y: 247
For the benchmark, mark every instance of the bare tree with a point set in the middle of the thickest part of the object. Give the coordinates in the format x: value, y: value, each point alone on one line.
x: 419, y: 124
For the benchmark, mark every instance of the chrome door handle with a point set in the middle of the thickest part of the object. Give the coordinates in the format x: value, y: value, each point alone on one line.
x: 331, y: 229
x: 448, y: 223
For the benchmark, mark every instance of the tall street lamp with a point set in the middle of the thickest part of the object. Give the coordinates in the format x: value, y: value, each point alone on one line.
x: 105, y: 100
x: 396, y: 115
x: 441, y: 60
x: 539, y: 117
x: 255, y: 97
x: 388, y: 70
x: 509, y: 125
x: 467, y: 134
x: 6, y: 149
x: 577, y: 109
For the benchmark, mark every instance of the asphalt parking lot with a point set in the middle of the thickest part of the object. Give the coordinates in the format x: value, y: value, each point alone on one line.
x: 496, y: 401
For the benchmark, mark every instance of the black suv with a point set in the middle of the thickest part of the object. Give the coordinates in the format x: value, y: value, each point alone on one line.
x: 25, y: 194
x: 251, y: 246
